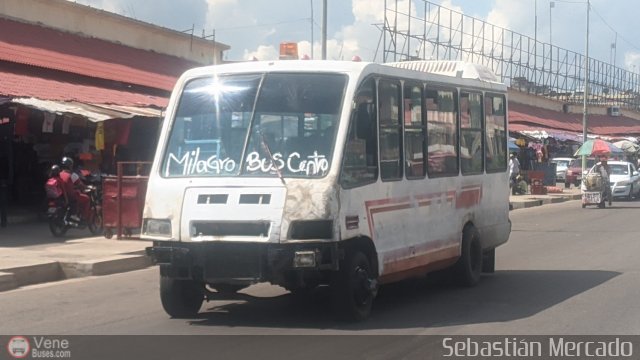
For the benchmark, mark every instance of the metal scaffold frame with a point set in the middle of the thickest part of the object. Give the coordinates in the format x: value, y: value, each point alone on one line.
x: 426, y: 31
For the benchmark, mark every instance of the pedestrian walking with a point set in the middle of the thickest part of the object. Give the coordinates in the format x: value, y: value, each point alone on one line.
x: 514, y: 171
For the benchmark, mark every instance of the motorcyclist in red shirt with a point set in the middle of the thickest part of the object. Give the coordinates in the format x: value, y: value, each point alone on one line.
x: 72, y: 187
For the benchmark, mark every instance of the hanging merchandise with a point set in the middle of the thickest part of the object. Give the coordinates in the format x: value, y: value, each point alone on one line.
x: 6, y: 126
x: 124, y: 129
x: 22, y: 121
x: 66, y: 123
x: 100, y: 136
x: 47, y: 124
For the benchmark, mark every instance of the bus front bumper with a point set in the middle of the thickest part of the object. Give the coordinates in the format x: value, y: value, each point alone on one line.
x: 241, y: 262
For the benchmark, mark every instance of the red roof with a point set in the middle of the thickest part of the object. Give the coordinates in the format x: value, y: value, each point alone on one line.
x: 523, y: 117
x: 53, y: 49
x: 20, y: 85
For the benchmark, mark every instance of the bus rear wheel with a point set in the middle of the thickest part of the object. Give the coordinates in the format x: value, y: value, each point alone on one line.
x: 469, y: 267
x: 181, y: 298
x: 353, y: 288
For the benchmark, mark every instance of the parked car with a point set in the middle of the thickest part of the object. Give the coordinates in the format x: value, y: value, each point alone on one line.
x: 562, y: 163
x: 624, y: 179
x: 574, y: 172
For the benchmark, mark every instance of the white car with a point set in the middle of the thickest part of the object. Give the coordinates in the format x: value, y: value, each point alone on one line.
x: 624, y: 179
x: 562, y: 164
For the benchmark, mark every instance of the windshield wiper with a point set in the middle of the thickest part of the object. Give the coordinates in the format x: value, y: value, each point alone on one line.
x: 270, y: 154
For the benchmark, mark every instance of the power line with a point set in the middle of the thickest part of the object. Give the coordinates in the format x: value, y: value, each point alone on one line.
x: 614, y: 30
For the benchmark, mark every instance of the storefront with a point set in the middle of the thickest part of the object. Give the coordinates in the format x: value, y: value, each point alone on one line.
x: 34, y: 137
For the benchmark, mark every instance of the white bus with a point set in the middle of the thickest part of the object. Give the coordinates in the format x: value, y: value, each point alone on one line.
x: 314, y: 173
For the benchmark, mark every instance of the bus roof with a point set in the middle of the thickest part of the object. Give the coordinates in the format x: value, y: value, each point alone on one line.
x: 461, y: 69
x: 440, y: 68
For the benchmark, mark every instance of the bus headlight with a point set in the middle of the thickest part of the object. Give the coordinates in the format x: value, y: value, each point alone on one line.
x: 311, y: 230
x: 304, y: 259
x: 158, y: 227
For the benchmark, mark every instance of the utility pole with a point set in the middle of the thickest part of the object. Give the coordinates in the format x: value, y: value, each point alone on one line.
x: 551, y: 6
x: 324, y: 29
x: 615, y: 49
x: 586, y: 90
x: 311, y: 29
x: 535, y: 44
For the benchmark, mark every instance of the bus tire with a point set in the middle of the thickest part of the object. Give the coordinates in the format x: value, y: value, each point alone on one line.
x: 489, y: 261
x: 181, y: 298
x: 469, y: 266
x: 353, y: 287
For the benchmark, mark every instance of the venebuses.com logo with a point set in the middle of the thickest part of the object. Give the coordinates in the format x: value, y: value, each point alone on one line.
x: 39, y: 347
x: 18, y: 347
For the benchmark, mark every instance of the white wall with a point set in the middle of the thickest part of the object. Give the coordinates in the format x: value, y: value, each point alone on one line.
x: 549, y: 104
x: 75, y: 18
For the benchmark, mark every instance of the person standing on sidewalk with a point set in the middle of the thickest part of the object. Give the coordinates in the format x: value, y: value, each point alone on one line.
x: 514, y: 171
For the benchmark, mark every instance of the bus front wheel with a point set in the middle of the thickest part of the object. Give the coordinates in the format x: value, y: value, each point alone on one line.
x: 353, y: 287
x: 469, y: 267
x: 181, y: 298
x: 489, y: 261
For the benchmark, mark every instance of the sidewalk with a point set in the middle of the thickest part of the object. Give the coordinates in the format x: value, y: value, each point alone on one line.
x: 29, y: 254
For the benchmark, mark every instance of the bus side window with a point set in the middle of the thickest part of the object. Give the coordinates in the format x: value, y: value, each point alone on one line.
x: 495, y: 133
x: 360, y: 161
x: 390, y: 117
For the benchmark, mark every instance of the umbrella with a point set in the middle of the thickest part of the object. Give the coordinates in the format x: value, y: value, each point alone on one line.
x: 513, y: 146
x: 627, y: 146
x: 597, y: 147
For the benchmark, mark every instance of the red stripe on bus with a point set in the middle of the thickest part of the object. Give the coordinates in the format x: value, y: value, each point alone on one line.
x: 468, y: 198
x: 419, y: 265
x: 404, y: 202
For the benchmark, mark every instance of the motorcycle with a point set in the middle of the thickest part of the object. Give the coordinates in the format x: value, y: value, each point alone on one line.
x: 61, y: 217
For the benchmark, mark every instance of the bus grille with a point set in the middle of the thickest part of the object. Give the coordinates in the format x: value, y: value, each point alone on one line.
x: 237, y: 228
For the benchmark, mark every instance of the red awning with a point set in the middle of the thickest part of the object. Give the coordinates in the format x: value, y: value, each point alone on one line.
x: 525, y: 117
x: 25, y: 86
x: 52, y: 49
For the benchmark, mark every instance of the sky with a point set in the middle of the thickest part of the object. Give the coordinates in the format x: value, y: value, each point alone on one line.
x: 255, y: 28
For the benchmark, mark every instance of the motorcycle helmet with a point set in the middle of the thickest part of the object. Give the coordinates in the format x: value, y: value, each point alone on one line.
x: 67, y: 163
x: 55, y: 170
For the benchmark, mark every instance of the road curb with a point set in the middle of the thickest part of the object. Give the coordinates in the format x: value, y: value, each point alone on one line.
x: 112, y: 265
x: 524, y: 204
x: 62, y: 270
x: 550, y: 199
x: 7, y: 281
x: 36, y: 273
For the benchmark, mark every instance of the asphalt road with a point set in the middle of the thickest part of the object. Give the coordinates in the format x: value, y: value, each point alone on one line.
x: 565, y: 270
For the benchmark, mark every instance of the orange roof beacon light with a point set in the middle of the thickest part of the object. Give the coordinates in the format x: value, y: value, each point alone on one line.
x: 356, y: 58
x: 288, y: 51
x: 305, y: 57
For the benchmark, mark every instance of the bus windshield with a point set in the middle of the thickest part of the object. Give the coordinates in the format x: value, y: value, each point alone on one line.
x: 274, y: 124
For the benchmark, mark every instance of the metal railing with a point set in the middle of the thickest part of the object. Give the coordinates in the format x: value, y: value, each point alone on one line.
x: 430, y: 31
